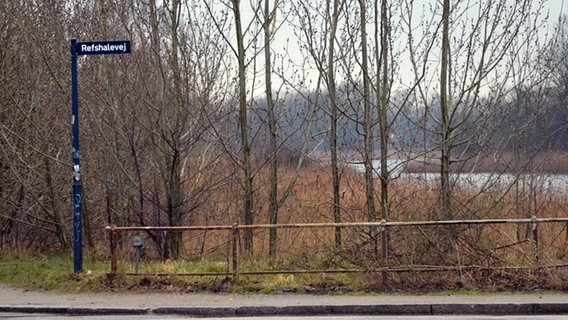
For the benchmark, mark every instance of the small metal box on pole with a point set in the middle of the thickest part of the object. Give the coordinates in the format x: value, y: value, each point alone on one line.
x: 138, y: 244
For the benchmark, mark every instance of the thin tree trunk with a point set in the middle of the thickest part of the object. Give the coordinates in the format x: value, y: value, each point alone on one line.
x: 244, y: 126
x: 273, y: 209
x: 446, y: 143
x: 445, y: 108
x: 3, y: 220
x: 334, y: 119
x: 383, y: 99
x: 368, y: 130
x: 174, y: 198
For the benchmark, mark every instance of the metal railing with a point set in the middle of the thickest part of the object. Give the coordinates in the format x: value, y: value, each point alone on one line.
x: 234, y: 236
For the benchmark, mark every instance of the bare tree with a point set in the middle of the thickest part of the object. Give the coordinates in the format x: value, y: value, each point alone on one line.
x: 30, y: 132
x: 291, y: 134
x: 156, y: 139
x: 269, y: 18
x: 244, y: 126
x: 536, y: 118
x: 331, y: 86
x: 368, y: 137
x: 383, y: 92
x: 320, y: 42
x: 471, y: 45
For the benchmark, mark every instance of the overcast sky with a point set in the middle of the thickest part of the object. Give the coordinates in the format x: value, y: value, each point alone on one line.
x: 285, y: 38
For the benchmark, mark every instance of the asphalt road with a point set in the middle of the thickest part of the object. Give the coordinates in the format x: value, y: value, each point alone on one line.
x: 20, y: 316
x: 21, y: 304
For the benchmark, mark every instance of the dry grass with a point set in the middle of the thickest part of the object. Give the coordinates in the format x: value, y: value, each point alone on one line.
x: 484, y: 254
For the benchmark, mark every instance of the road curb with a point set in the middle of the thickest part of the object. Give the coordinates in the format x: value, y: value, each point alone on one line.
x: 483, y: 309
x: 386, y: 309
x: 284, y: 311
x: 196, y: 311
x: 311, y: 310
x: 34, y: 309
x: 105, y: 311
x: 550, y: 308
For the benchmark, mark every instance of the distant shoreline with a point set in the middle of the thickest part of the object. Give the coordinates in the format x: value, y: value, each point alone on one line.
x: 556, y: 163
x: 549, y: 163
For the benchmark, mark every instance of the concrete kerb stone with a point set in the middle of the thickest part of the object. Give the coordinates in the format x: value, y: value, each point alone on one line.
x: 393, y: 309
x: 106, y: 311
x: 34, y: 309
x: 550, y: 308
x: 312, y: 310
x: 284, y: 311
x: 482, y: 309
x: 73, y: 311
x: 197, y: 311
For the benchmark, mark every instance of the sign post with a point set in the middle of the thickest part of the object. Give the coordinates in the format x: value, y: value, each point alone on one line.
x: 83, y: 48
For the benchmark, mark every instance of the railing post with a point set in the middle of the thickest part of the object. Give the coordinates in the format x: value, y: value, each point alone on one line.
x: 235, y: 241
x: 113, y: 251
x: 534, y: 233
x: 384, y: 251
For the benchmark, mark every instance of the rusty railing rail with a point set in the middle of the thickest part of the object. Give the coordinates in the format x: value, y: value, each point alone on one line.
x: 234, y: 230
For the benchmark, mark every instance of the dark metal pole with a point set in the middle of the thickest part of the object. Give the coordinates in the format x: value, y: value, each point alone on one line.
x: 77, y: 186
x: 113, y: 250
x: 534, y: 229
x: 235, y: 251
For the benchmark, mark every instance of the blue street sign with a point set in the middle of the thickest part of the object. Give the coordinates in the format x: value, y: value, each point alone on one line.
x: 103, y: 47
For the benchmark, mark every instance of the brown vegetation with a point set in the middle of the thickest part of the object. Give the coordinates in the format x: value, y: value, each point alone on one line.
x: 484, y: 257
x: 179, y: 131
